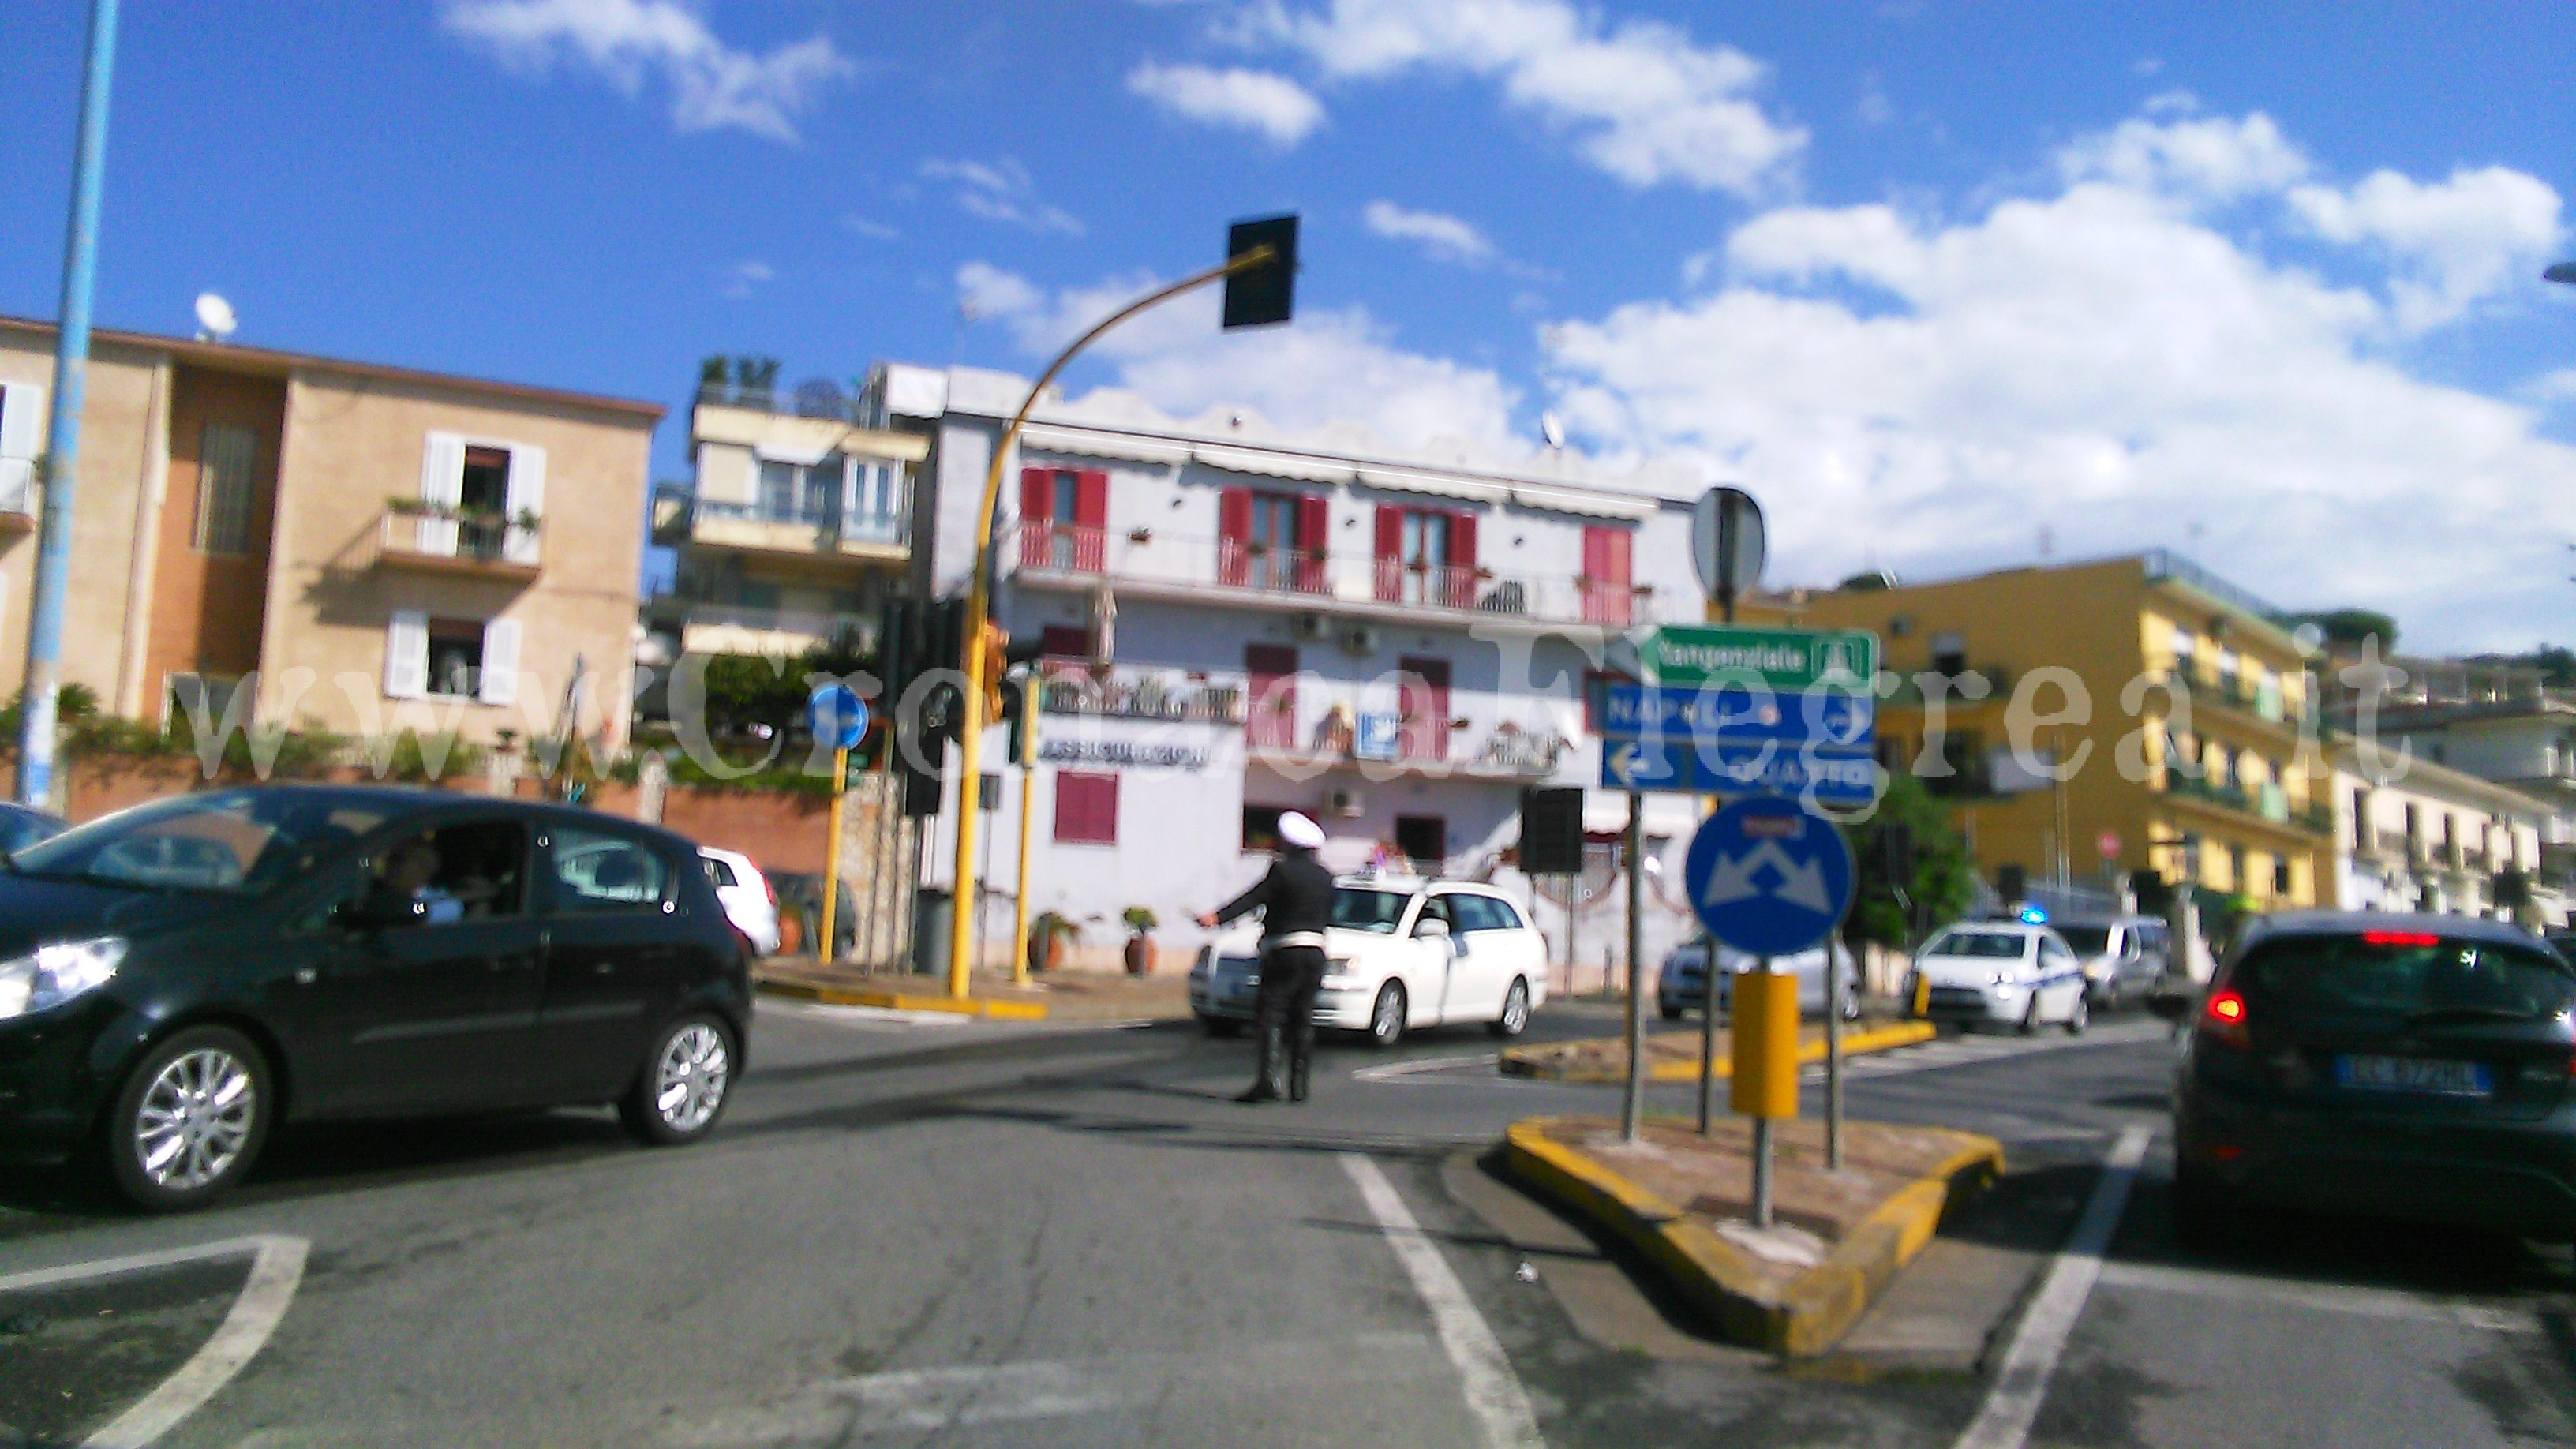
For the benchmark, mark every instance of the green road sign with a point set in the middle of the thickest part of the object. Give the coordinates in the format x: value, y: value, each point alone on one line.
x: 1788, y: 660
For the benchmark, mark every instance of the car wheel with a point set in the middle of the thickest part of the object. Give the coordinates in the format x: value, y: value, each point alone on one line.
x: 1221, y: 1027
x: 1851, y: 1006
x: 190, y: 1121
x: 684, y: 1086
x: 1515, y: 1015
x: 2080, y: 1015
x: 1386, y: 1016
x: 1670, y: 1013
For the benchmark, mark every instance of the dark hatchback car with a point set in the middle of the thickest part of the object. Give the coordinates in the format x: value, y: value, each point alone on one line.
x: 2409, y: 1066
x: 178, y: 979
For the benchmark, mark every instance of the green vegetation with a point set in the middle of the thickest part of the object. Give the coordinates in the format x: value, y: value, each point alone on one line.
x: 1939, y: 884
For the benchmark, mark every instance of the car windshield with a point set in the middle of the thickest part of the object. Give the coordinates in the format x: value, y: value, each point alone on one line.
x: 237, y: 842
x: 1359, y: 909
x: 2402, y: 974
x: 22, y: 828
x: 2087, y: 940
x: 1992, y: 945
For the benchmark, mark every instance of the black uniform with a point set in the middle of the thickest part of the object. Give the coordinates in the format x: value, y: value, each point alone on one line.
x: 1295, y: 898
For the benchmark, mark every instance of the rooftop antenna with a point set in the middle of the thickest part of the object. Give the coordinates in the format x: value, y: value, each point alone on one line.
x: 215, y: 319
x: 1552, y: 428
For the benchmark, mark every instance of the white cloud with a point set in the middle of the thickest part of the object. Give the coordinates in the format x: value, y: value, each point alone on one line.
x: 1442, y: 237
x: 713, y: 85
x: 2457, y: 241
x: 871, y: 229
x: 1328, y: 366
x: 742, y: 277
x: 1001, y: 191
x: 1277, y: 108
x: 1647, y: 103
x: 2111, y: 365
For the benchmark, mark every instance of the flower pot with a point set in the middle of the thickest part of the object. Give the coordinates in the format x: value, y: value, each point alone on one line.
x: 1140, y: 955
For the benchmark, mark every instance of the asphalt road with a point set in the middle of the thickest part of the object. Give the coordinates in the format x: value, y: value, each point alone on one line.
x: 971, y: 1235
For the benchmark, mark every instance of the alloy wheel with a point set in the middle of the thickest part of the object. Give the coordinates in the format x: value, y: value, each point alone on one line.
x: 1516, y: 1009
x: 1386, y: 1018
x: 195, y: 1119
x: 690, y: 1079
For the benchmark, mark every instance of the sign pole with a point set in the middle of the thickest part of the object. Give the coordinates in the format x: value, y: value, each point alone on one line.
x: 1833, y: 1056
x: 1633, y: 1102
x: 1028, y: 791
x: 832, y: 854
x: 1708, y: 974
x: 1762, y: 1141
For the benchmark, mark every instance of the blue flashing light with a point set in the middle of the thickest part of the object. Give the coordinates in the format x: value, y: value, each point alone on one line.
x: 2033, y: 916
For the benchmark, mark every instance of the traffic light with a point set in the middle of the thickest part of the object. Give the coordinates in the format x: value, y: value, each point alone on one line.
x: 1019, y: 711
x: 2011, y: 883
x: 1263, y: 295
x: 1551, y: 831
x: 991, y: 645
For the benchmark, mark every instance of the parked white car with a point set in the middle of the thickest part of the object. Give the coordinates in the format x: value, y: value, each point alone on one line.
x: 1404, y: 953
x: 749, y: 901
x: 2123, y: 957
x: 2003, y: 973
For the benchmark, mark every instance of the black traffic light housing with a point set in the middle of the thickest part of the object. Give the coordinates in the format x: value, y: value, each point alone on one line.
x: 1262, y: 296
x: 1551, y: 831
x: 2012, y: 883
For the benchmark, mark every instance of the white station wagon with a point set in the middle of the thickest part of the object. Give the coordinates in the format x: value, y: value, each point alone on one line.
x: 1404, y: 953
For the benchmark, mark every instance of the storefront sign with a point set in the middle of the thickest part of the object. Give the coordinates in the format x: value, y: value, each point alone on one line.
x: 1121, y: 754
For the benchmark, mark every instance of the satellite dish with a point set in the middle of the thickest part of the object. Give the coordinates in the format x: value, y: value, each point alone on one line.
x: 215, y: 319
x: 1552, y: 428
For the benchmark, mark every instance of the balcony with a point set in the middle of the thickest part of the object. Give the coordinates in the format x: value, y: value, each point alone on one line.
x: 484, y: 546
x: 712, y: 628
x: 1152, y: 563
x: 22, y: 498
x: 2267, y: 803
x: 771, y: 527
x: 2232, y: 694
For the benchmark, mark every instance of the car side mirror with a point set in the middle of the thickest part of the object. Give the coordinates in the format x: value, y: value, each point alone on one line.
x: 2173, y: 1006
x: 1422, y: 929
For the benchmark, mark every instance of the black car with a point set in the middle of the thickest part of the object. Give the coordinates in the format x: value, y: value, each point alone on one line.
x: 24, y: 825
x: 2410, y: 1066
x: 178, y: 979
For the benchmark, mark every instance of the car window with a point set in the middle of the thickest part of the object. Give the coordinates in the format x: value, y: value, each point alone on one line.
x: 1472, y: 912
x: 470, y: 870
x: 1356, y: 908
x: 1497, y: 914
x: 22, y: 828
x: 2054, y: 950
x: 597, y: 871
x: 1436, y: 908
x: 1986, y: 945
x: 241, y: 842
x: 2087, y: 940
x: 719, y: 872
x: 2404, y: 974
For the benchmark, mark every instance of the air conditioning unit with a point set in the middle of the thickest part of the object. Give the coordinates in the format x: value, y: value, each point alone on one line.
x: 1360, y: 639
x: 1345, y: 803
x: 1314, y: 628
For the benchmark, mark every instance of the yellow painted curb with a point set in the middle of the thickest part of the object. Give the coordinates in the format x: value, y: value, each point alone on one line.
x: 983, y: 1006
x: 1537, y: 1060
x: 1816, y: 1308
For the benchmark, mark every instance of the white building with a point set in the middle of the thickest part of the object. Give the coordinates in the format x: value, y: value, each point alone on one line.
x: 2429, y: 837
x: 1241, y: 620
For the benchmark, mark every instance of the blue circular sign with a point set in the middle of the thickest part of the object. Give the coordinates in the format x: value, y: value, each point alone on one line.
x: 1767, y: 878
x: 836, y: 713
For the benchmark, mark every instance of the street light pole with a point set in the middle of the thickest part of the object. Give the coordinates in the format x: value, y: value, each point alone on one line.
x: 62, y: 445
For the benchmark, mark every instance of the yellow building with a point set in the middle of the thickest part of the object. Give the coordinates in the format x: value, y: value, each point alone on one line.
x: 2089, y: 721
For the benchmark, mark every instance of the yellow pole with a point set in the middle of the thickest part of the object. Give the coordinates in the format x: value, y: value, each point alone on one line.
x: 970, y: 736
x: 1028, y: 791
x: 832, y: 855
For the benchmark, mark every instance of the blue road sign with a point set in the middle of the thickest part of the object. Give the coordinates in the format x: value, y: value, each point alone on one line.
x: 1768, y: 878
x: 1828, y: 717
x: 836, y: 713
x: 1838, y: 776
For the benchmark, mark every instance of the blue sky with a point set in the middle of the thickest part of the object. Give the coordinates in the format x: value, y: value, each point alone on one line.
x: 1931, y: 279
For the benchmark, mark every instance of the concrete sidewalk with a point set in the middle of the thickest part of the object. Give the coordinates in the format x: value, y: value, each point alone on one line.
x: 1063, y: 997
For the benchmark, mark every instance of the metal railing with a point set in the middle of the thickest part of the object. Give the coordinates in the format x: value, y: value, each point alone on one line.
x: 478, y: 540
x: 2266, y: 802
x: 844, y: 525
x: 820, y: 625
x: 2164, y: 565
x: 1152, y: 556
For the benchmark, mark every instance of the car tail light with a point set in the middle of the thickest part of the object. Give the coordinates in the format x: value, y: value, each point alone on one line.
x: 2223, y: 1019
x: 2400, y: 938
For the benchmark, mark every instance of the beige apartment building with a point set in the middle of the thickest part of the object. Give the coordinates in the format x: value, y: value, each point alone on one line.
x: 383, y: 549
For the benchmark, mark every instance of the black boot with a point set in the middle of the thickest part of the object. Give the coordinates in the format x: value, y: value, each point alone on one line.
x: 1301, y: 1057
x: 1265, y: 1080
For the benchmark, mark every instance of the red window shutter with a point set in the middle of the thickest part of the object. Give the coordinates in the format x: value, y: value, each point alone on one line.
x: 1037, y: 505
x: 1605, y: 574
x: 1423, y: 686
x: 1091, y: 516
x: 1064, y: 641
x: 1616, y: 553
x: 1390, y: 549
x: 1234, y: 535
x: 1462, y: 560
x: 1314, y: 538
x: 1086, y: 809
x: 1270, y: 696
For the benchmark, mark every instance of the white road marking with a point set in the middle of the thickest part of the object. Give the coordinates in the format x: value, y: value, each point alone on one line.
x: 274, y: 1274
x: 864, y: 1015
x: 1494, y: 1393
x: 1397, y: 1071
x: 2005, y: 1420
x: 2324, y: 1297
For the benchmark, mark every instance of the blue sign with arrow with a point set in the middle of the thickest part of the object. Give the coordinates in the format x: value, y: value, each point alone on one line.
x: 1838, y: 776
x: 836, y: 713
x: 1768, y: 878
x: 1829, y: 717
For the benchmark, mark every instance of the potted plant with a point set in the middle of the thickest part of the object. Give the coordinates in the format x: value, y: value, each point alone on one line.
x: 1140, y: 946
x: 1048, y: 935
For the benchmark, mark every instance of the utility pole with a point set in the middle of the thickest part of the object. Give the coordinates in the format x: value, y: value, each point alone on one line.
x: 62, y: 446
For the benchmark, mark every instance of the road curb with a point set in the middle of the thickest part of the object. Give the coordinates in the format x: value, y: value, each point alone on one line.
x: 1540, y: 1062
x: 1816, y: 1307
x: 983, y: 1006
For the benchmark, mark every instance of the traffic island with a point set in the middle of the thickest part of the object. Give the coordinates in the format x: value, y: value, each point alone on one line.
x: 838, y: 986
x: 1673, y: 1056
x: 1682, y: 1202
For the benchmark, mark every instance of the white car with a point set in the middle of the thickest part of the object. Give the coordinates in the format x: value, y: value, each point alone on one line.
x: 2003, y: 973
x: 1404, y: 953
x: 749, y: 901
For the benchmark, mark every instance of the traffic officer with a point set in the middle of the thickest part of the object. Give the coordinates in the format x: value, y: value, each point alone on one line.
x: 1296, y: 903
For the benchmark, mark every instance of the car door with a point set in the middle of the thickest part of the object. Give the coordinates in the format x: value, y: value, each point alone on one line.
x: 1476, y: 979
x: 1427, y: 962
x: 431, y: 1007
x: 2061, y: 979
x: 1510, y: 949
x: 613, y: 956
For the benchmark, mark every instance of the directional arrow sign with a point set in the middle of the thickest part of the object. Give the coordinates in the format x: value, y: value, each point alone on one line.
x: 1835, y: 776
x: 1767, y: 878
x: 1627, y: 765
x: 1829, y: 717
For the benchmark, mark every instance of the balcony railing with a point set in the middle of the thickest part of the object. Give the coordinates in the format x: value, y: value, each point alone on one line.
x: 446, y: 541
x: 843, y: 525
x: 2232, y: 692
x: 2266, y: 802
x: 797, y: 627
x: 1290, y: 574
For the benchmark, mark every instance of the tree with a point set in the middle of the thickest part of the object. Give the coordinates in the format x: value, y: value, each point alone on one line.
x: 1939, y: 881
x: 2349, y: 627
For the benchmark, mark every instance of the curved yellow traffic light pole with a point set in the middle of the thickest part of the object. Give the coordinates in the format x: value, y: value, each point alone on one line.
x: 970, y: 728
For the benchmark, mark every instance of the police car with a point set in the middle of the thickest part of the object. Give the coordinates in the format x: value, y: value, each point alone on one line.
x: 1404, y: 952
x: 2003, y: 973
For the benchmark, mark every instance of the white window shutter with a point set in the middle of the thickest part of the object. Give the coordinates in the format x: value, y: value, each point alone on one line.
x: 500, y: 683
x: 527, y: 495
x: 22, y: 421
x: 442, y: 485
x: 407, y: 655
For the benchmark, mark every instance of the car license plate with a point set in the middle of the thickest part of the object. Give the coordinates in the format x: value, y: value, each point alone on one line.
x: 2410, y: 1074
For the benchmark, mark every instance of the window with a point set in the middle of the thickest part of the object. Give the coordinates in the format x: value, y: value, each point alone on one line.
x: 473, y: 493
x: 1950, y: 653
x: 1607, y: 595
x: 245, y: 841
x: 1426, y: 556
x: 475, y: 870
x: 1064, y: 518
x: 454, y: 658
x: 1272, y: 540
x: 1358, y: 909
x: 596, y: 871
x: 1086, y: 809
x: 1596, y: 696
x: 1270, y: 696
x: 1261, y: 827
x: 2280, y: 875
x: 483, y: 502
x: 199, y: 701
x: 719, y: 874
x: 1422, y: 699
x: 224, y: 465
x: 808, y: 493
x: 1435, y: 908
x: 1064, y: 641
x: 1481, y: 913
x: 2236, y: 869
x: 1424, y: 840
x: 2363, y: 836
